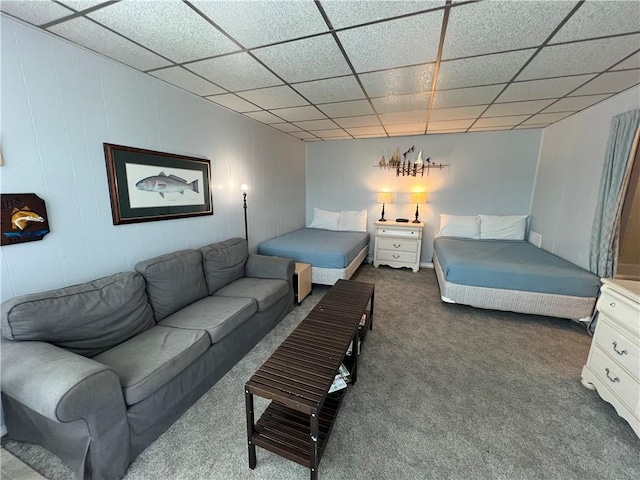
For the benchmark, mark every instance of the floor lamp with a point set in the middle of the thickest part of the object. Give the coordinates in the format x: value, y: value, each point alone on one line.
x: 244, y: 187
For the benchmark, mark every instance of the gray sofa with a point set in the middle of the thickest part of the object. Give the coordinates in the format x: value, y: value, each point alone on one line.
x: 96, y: 372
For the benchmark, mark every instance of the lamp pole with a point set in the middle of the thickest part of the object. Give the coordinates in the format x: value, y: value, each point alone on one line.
x: 244, y: 188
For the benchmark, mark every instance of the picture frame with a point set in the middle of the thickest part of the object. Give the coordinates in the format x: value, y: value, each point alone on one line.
x: 146, y: 185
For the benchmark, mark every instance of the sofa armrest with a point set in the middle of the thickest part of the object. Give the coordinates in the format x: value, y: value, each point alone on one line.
x: 56, y: 383
x: 264, y: 266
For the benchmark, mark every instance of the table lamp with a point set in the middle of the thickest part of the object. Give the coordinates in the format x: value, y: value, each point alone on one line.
x: 384, y: 197
x: 417, y: 198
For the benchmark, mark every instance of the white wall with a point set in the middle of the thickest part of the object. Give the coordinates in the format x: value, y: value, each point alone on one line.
x: 488, y: 173
x: 61, y: 102
x: 569, y: 173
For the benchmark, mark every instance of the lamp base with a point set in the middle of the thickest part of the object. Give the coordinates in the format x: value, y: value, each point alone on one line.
x: 416, y: 221
x: 382, y: 219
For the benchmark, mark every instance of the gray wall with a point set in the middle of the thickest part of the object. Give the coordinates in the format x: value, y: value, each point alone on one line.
x: 569, y: 174
x: 61, y: 102
x: 488, y: 173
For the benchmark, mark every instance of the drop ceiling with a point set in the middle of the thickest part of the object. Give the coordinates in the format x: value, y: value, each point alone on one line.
x: 338, y: 69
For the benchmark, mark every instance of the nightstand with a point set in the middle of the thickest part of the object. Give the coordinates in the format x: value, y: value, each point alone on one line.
x: 302, y: 281
x: 398, y: 244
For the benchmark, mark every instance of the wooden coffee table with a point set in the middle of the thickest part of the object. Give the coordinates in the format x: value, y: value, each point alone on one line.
x: 297, y: 377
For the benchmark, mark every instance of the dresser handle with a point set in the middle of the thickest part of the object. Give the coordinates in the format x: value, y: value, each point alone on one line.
x: 613, y: 380
x: 613, y: 304
x: 398, y: 245
x: 619, y: 352
x: 396, y: 256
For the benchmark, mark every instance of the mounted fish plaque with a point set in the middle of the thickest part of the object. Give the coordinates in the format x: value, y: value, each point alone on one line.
x: 146, y: 185
x: 24, y: 218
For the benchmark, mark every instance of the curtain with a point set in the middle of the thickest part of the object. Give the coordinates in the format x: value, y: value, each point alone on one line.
x: 618, y: 161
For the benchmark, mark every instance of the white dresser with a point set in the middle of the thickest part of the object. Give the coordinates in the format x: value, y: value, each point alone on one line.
x: 398, y: 244
x: 613, y: 365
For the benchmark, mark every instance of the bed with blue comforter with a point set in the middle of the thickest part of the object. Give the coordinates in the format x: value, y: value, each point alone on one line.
x: 512, y: 275
x: 332, y: 254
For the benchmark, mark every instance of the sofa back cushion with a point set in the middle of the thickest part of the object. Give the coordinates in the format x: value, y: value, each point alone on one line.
x: 174, y: 280
x: 86, y: 319
x: 224, y: 262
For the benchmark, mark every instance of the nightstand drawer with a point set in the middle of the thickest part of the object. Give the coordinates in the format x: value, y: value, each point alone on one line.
x: 400, y: 245
x: 620, y: 310
x: 404, y: 257
x: 616, y: 379
x: 398, y: 232
x: 618, y: 346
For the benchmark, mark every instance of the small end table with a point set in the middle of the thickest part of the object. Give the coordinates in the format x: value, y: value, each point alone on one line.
x: 302, y: 281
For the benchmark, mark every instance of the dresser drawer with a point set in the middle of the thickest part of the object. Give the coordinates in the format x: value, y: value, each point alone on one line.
x: 403, y: 257
x: 618, y: 346
x: 400, y: 245
x: 620, y: 310
x: 616, y: 379
x: 398, y: 232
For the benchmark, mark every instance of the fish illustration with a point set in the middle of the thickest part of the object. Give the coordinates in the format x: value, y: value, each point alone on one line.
x: 162, y: 184
x: 19, y: 218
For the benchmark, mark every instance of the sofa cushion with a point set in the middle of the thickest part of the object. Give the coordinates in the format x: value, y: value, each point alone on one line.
x: 224, y: 262
x: 148, y: 361
x: 86, y: 319
x: 219, y: 316
x: 265, y: 291
x: 173, y: 280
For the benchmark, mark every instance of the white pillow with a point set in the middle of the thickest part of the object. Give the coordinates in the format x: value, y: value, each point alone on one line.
x: 503, y: 227
x: 462, y: 226
x: 325, y: 219
x: 353, y: 221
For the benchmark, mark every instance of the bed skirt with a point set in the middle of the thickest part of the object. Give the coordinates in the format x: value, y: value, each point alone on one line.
x: 329, y: 276
x: 552, y: 305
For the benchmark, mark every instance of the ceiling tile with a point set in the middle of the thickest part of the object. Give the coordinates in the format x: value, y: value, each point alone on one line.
x: 308, y: 59
x: 264, y: 117
x: 406, y: 128
x: 455, y: 113
x: 372, y: 130
x: 274, y: 97
x: 316, y: 124
x: 401, y: 103
x: 500, y: 121
x: 516, y: 108
x: 345, y: 14
x: 80, y: 5
x: 403, y: 117
x: 285, y: 20
x: 233, y: 102
x: 610, y: 82
x: 488, y: 69
x: 546, y: 118
x: 488, y: 27
x: 538, y: 89
x: 347, y: 109
x: 398, y: 81
x: 332, y: 134
x: 571, y: 104
x: 540, y: 125
x: 632, y: 62
x: 91, y: 35
x: 395, y: 43
x: 466, y: 96
x: 333, y: 89
x: 437, y: 132
x: 450, y: 125
x: 235, y: 72
x: 364, y: 121
x: 297, y: 114
x: 171, y: 29
x: 286, y: 127
x: 599, y: 19
x: 489, y: 129
x: 590, y: 56
x: 36, y: 13
x: 303, y: 135
x: 182, y: 78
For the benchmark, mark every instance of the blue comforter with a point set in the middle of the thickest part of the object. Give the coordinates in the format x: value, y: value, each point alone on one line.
x: 512, y: 265
x: 320, y: 248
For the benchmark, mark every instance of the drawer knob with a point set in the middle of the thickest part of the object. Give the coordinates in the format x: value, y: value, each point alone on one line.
x: 613, y: 304
x: 619, y: 352
x: 396, y: 256
x: 613, y: 380
x: 398, y: 245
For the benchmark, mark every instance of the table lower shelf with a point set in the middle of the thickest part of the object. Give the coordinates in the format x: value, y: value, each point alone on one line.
x: 285, y: 431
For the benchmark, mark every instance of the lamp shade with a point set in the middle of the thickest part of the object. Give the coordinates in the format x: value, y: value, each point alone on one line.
x: 419, y: 197
x: 384, y: 197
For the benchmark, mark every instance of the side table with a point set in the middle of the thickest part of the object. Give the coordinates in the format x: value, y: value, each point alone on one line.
x: 398, y: 244
x: 302, y: 281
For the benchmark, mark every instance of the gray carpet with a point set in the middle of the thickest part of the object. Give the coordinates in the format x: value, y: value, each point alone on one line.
x: 444, y: 391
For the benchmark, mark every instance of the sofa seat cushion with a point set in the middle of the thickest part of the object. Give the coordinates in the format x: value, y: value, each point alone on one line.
x: 265, y: 291
x: 219, y: 316
x: 148, y: 361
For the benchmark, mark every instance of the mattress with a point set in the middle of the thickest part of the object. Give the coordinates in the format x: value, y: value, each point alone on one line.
x: 320, y: 248
x: 512, y: 265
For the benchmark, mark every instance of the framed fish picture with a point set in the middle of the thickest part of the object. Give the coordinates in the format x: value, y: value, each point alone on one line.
x: 146, y: 185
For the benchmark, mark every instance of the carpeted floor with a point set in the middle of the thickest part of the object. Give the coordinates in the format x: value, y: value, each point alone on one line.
x: 444, y: 391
